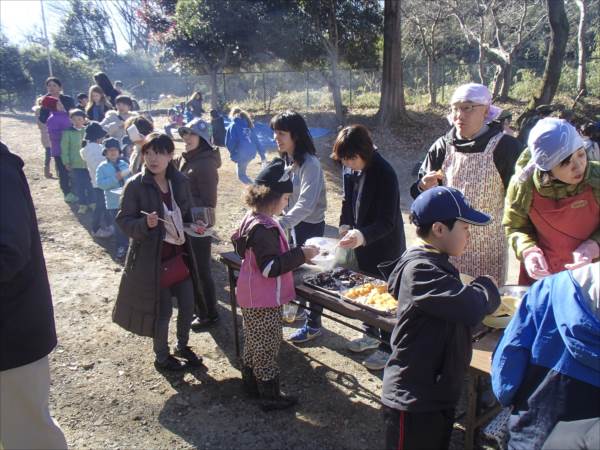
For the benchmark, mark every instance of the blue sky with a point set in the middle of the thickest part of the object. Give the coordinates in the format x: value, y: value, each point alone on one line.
x: 20, y: 17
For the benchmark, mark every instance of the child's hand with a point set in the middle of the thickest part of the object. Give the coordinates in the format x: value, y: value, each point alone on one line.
x: 310, y: 251
x: 119, y: 176
x: 152, y: 220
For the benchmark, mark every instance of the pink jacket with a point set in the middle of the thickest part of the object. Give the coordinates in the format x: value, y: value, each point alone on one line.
x: 254, y: 290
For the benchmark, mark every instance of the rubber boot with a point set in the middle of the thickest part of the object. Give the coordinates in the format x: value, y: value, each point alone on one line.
x: 271, y: 398
x: 249, y: 382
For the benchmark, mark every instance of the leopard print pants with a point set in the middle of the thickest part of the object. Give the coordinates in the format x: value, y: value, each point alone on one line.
x: 262, y: 338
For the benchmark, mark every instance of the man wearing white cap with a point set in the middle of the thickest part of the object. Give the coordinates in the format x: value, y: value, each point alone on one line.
x: 478, y: 159
x: 552, y: 212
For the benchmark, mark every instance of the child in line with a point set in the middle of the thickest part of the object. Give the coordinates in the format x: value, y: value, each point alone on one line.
x: 218, y: 128
x: 175, y: 121
x: 58, y: 121
x: 432, y: 339
x: 266, y: 283
x: 114, y: 121
x: 70, y: 144
x: 97, y: 105
x: 82, y: 101
x: 43, y: 137
x: 242, y: 143
x: 137, y: 129
x: 111, y: 175
x: 93, y: 155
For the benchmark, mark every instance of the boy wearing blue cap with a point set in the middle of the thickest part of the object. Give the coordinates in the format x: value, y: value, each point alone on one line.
x: 431, y: 342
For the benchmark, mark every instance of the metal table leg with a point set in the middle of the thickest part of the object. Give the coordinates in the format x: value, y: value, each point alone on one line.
x: 233, y: 304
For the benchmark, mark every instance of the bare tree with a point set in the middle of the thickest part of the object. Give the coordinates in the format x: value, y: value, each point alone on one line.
x: 501, y: 41
x: 581, y: 67
x: 134, y: 30
x: 392, y: 106
x: 559, y: 33
x: 426, y: 18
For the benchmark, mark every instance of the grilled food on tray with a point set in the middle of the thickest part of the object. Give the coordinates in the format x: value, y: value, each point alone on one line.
x: 337, y: 279
x: 374, y: 295
x: 365, y: 290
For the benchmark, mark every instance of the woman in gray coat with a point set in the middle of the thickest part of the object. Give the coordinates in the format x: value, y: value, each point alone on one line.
x: 160, y: 262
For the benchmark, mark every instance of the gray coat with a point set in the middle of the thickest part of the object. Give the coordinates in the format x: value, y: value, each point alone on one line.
x: 136, y: 308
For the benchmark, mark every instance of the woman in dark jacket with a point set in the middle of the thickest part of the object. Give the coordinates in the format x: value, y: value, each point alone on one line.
x: 200, y: 163
x: 160, y: 260
x: 371, y: 222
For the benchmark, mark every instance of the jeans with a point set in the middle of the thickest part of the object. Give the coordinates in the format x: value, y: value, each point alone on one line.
x: 100, y: 214
x: 384, y: 344
x: 184, y: 292
x: 241, y: 171
x: 82, y: 186
x: 304, y: 231
x: 120, y: 238
x: 206, y: 309
x: 64, y: 180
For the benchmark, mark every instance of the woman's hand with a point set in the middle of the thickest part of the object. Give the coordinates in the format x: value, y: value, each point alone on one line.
x: 430, y: 179
x: 535, y: 263
x: 584, y: 254
x: 352, y: 239
x: 310, y: 251
x: 152, y: 220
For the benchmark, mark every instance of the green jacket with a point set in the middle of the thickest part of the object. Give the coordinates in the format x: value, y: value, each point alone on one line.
x: 519, y: 230
x: 70, y: 144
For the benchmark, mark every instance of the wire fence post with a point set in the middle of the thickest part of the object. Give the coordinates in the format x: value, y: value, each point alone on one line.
x: 307, y: 98
x: 264, y: 91
x: 443, y: 83
x: 224, y: 89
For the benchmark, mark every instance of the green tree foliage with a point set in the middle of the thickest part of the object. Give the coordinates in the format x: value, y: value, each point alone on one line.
x: 83, y: 33
x: 13, y: 77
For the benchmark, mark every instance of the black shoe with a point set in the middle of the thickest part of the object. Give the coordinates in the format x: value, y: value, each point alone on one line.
x: 271, y: 398
x: 186, y: 353
x: 199, y: 324
x: 171, y: 363
x: 249, y: 382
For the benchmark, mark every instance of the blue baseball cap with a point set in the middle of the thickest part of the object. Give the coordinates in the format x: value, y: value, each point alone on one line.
x: 443, y: 203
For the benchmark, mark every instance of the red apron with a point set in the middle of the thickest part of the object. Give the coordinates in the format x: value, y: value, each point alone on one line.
x: 561, y: 226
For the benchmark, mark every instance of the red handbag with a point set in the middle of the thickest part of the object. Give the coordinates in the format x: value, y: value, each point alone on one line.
x: 173, y: 271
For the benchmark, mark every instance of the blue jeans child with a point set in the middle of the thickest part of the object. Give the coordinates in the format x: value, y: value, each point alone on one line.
x: 82, y: 186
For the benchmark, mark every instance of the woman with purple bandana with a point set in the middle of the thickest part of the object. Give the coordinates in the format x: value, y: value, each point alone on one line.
x: 478, y: 159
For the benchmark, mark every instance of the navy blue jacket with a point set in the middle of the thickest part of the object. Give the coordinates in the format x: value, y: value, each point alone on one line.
x: 27, y: 331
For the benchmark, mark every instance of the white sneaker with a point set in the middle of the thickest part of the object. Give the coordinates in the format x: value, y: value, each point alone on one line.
x: 377, y: 360
x: 362, y: 344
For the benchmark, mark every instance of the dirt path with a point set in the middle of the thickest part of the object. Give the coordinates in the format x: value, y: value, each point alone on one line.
x: 105, y: 391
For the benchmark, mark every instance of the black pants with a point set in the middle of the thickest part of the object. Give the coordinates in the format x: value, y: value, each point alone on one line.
x: 383, y: 336
x: 100, y: 216
x: 202, y: 253
x: 47, y: 156
x: 64, y: 179
x: 417, y: 431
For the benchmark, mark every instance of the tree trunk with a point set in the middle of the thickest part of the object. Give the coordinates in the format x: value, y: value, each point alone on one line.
x: 480, y: 65
x: 581, y: 69
x: 498, y: 77
x: 506, y: 79
x: 214, y: 89
x: 431, y: 86
x: 559, y: 32
x: 391, y: 105
x: 334, y: 87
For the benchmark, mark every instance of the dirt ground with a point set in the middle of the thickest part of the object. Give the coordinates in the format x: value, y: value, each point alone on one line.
x: 105, y: 391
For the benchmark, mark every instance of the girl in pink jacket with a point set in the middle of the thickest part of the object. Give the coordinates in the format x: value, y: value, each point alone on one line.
x: 266, y: 283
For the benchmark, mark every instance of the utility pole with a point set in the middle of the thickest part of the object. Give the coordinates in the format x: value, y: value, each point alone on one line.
x: 46, y: 41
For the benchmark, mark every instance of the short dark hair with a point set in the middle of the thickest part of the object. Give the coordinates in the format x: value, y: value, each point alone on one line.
x: 260, y: 196
x: 354, y: 140
x: 588, y: 129
x: 54, y: 80
x: 143, y: 125
x: 424, y: 229
x: 81, y: 95
x: 76, y: 112
x: 294, y: 123
x: 159, y: 142
x: 124, y: 99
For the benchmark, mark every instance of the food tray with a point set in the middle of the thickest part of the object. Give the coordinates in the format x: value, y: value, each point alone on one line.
x: 333, y: 281
x: 360, y: 301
